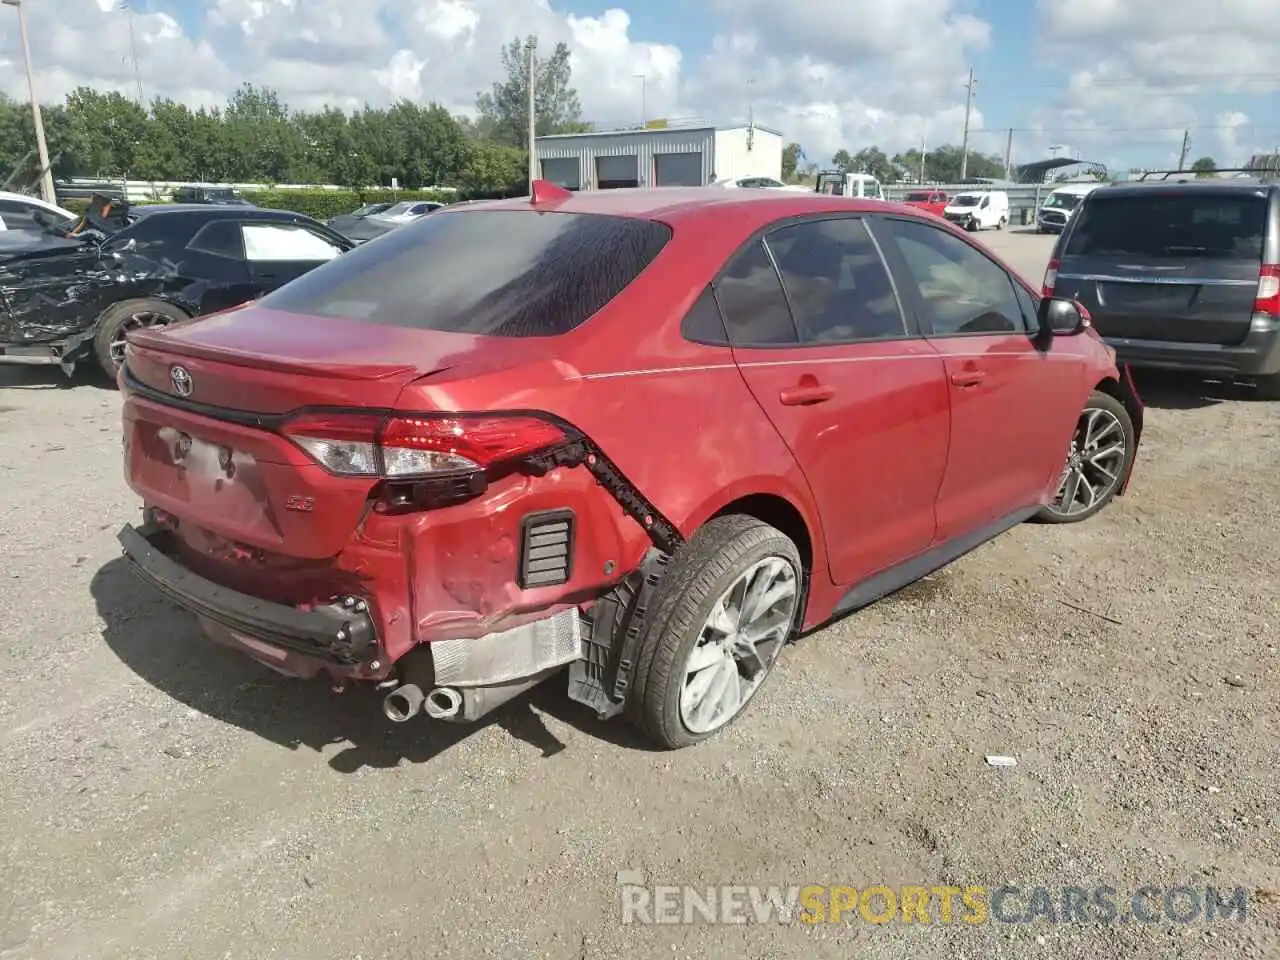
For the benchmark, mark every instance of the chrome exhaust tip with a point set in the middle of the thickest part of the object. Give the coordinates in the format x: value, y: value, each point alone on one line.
x: 403, y: 703
x: 443, y: 703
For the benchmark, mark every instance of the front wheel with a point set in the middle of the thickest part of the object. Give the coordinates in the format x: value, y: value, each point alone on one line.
x: 1102, y: 451
x: 726, y: 606
x: 119, y: 319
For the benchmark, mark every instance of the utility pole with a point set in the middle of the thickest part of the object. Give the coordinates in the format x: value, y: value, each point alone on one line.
x: 127, y: 6
x: 923, y: 135
x: 1008, y: 154
x: 964, y: 143
x: 42, y: 149
x: 1186, y: 145
x: 533, y: 114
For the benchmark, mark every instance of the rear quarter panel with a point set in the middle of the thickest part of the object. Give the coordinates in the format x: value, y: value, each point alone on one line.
x: 675, y: 417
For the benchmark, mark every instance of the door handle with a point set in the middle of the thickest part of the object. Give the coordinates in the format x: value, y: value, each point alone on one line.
x: 805, y: 395
x: 968, y: 378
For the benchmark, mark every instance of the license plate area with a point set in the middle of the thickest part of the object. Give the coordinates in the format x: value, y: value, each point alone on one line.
x: 1147, y: 297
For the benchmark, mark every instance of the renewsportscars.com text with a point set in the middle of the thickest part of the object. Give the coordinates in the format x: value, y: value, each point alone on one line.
x: 918, y: 904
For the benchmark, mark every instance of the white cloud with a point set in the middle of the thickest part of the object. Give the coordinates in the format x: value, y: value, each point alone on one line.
x: 1148, y: 71
x: 830, y: 74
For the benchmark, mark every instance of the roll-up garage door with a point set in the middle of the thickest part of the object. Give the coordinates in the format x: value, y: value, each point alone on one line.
x: 563, y: 172
x: 678, y: 169
x: 615, y: 172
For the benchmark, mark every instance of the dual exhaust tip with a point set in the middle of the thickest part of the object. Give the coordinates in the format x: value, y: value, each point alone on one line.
x: 407, y: 700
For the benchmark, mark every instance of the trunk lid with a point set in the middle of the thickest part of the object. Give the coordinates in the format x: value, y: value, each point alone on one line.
x: 270, y: 362
x: 226, y: 472
x: 1168, y: 265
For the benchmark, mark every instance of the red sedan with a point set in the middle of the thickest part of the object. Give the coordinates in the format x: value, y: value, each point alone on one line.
x: 645, y: 435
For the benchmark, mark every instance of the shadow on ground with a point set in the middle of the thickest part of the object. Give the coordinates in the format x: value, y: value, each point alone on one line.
x: 1184, y: 391
x: 164, y: 646
x: 51, y: 378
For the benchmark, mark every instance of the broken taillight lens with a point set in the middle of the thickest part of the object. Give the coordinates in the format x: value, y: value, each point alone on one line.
x: 409, y: 446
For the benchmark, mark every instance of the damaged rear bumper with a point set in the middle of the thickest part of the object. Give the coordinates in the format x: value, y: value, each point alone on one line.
x: 338, y: 639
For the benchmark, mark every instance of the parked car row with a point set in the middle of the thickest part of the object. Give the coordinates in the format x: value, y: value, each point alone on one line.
x: 431, y: 463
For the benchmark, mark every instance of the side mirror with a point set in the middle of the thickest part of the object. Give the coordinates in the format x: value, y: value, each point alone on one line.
x: 1060, y: 317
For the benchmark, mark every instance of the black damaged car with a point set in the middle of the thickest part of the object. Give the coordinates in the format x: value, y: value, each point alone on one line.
x: 71, y: 295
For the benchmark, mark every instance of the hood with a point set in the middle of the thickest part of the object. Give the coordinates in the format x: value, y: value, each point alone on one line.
x: 27, y: 244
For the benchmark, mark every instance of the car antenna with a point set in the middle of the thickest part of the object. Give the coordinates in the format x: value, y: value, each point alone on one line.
x: 544, y: 191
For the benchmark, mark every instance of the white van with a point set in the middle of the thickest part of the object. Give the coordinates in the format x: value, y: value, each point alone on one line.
x: 860, y: 185
x: 1057, y: 208
x: 978, y: 209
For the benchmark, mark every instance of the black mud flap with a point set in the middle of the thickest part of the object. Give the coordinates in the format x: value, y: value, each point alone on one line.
x: 1132, y: 403
x: 611, y: 639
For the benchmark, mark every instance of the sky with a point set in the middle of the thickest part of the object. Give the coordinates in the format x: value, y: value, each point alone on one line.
x: 1113, y: 81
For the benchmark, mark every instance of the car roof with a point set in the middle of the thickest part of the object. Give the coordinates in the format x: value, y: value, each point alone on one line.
x: 671, y: 205
x: 1226, y: 185
x: 27, y: 198
x: 213, y: 210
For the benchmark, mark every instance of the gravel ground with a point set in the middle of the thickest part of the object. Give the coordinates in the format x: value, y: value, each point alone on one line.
x: 164, y: 798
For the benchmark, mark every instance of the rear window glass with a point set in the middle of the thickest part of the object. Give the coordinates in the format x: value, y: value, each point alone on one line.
x: 502, y: 273
x: 1200, y: 225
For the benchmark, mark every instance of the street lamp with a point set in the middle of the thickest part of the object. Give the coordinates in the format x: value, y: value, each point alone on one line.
x: 42, y: 149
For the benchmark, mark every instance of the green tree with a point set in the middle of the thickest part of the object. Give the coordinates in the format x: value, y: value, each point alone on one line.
x: 491, y: 168
x: 504, y: 110
x: 111, y: 133
x: 873, y: 160
x: 842, y: 160
x: 1205, y: 167
x: 791, y: 156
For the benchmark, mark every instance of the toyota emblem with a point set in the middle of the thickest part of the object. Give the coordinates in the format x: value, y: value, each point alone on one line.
x: 181, y: 380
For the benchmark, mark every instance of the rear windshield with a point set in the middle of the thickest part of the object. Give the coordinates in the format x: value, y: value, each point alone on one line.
x: 501, y: 273
x: 1196, y: 225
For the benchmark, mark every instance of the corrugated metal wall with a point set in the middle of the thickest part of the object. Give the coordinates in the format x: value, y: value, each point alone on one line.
x: 643, y: 145
x: 734, y: 158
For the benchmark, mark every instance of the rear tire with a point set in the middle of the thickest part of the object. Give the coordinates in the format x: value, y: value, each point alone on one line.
x: 118, y: 319
x: 1102, y: 450
x: 696, y: 656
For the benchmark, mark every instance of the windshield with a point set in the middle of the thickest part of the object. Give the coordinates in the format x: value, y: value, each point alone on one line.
x: 501, y: 273
x: 1196, y: 224
x: 966, y: 200
x: 221, y: 193
x: 397, y: 209
x: 1063, y: 201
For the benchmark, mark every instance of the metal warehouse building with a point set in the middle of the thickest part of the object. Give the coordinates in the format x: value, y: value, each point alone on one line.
x: 659, y: 156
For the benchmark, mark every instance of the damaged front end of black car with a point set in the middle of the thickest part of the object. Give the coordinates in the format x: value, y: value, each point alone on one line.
x: 48, y: 282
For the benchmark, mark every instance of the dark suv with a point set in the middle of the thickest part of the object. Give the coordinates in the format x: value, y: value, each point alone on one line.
x: 1180, y: 275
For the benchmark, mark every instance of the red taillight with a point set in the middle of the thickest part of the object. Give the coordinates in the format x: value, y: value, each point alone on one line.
x: 1268, y: 301
x: 1050, y: 278
x: 406, y: 446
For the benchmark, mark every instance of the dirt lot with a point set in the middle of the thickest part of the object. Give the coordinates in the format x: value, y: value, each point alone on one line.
x: 165, y: 799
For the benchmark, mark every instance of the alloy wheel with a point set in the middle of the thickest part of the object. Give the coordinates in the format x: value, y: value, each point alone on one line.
x: 738, y: 643
x: 1094, y: 463
x: 135, y: 321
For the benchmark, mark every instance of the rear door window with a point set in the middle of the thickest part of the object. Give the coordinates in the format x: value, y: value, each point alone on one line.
x: 284, y: 243
x: 750, y: 295
x: 839, y: 288
x: 503, y: 273
x: 1200, y: 224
